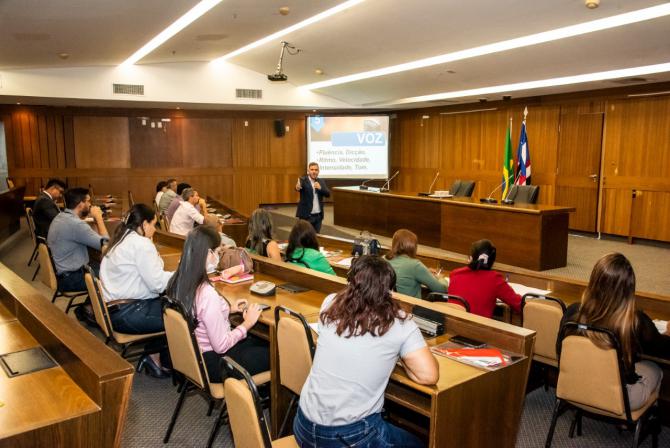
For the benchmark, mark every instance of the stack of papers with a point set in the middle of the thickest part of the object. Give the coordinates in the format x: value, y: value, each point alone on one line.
x: 523, y: 289
x: 482, y: 357
x: 661, y: 325
x: 345, y: 262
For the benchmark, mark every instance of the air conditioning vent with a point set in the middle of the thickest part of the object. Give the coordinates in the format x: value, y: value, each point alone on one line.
x: 625, y: 81
x: 128, y: 89
x: 252, y: 94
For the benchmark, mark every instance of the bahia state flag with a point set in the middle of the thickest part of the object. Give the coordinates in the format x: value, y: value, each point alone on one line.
x: 508, y: 163
x: 523, y: 157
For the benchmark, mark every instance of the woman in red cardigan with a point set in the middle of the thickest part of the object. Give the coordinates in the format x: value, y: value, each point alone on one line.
x: 481, y: 286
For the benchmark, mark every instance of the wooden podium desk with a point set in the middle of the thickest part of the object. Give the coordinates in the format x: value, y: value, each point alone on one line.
x: 464, y: 397
x: 80, y: 402
x: 526, y: 235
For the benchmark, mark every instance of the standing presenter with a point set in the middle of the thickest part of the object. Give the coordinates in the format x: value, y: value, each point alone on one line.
x: 312, y: 191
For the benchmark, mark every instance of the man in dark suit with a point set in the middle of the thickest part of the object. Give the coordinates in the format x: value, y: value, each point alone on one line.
x: 45, y: 208
x: 312, y: 191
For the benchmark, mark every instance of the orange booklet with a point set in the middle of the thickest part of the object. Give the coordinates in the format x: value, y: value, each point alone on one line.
x: 480, y: 357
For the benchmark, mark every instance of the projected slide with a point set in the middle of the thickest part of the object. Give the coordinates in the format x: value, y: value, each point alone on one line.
x: 349, y: 147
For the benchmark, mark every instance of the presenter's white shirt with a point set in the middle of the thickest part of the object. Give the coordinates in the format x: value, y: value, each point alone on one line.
x: 315, y: 201
x: 133, y: 270
x: 184, y: 218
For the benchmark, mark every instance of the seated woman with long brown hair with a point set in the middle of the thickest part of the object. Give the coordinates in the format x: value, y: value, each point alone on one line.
x: 259, y: 241
x: 410, y: 272
x: 362, y: 333
x: 609, y: 302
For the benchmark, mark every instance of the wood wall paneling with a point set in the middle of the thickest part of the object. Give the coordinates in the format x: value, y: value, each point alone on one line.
x: 579, y: 153
x: 155, y: 147
x: 206, y: 142
x: 101, y: 142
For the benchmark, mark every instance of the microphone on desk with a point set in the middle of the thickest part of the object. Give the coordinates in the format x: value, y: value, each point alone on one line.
x: 362, y: 186
x: 490, y: 200
x: 387, y: 185
x: 430, y: 189
x: 508, y: 201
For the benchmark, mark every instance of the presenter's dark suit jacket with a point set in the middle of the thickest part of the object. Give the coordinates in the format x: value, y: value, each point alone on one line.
x: 307, y: 197
x: 44, y: 211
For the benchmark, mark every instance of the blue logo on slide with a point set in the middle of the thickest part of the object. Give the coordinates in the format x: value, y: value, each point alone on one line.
x: 316, y: 123
x: 358, y: 139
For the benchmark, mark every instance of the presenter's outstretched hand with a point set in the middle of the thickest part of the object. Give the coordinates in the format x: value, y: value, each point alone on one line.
x: 297, y: 185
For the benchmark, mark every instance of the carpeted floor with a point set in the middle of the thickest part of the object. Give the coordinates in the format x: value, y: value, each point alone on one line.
x: 648, y: 258
x: 152, y: 401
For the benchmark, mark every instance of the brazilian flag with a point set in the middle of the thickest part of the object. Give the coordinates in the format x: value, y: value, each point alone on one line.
x: 508, y: 163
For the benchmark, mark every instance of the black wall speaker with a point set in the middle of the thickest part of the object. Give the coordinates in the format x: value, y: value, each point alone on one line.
x: 280, y: 128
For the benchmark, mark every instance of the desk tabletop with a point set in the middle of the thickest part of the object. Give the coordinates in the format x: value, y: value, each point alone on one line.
x: 465, y: 202
x: 39, y: 398
x: 5, y: 314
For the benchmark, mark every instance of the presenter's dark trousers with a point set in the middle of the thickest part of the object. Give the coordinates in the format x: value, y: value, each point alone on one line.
x: 315, y: 220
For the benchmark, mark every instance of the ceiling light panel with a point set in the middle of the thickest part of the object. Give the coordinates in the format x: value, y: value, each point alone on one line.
x: 596, y: 52
x: 191, y: 16
x: 615, y: 21
x: 538, y: 84
x: 277, y: 36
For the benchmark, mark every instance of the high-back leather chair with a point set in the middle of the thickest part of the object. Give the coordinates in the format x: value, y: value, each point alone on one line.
x: 592, y: 380
x: 524, y: 194
x: 462, y: 188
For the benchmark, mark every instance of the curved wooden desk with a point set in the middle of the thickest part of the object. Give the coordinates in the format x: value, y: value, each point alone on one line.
x: 530, y: 236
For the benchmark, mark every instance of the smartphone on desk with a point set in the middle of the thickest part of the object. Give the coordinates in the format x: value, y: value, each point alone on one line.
x: 467, y: 342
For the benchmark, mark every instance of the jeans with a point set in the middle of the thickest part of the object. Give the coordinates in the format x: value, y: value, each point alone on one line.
x: 139, y: 317
x: 370, y: 432
x: 74, y: 280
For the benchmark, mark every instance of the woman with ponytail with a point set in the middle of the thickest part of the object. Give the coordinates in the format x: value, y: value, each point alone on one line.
x: 133, y: 278
x: 479, y: 284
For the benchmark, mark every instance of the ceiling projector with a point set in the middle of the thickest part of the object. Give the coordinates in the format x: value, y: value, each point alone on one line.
x: 278, y: 75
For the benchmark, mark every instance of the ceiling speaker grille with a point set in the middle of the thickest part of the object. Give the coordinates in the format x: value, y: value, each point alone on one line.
x: 253, y: 94
x: 128, y: 89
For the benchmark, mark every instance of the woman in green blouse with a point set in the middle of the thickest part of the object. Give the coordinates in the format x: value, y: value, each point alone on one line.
x: 410, y: 272
x: 303, y: 248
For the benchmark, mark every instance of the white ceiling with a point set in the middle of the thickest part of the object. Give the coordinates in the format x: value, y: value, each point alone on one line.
x: 373, y: 34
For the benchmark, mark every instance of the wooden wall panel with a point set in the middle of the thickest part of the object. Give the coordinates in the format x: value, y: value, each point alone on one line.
x: 616, y: 209
x: 251, y: 142
x: 636, y: 157
x: 206, y: 142
x: 289, y: 150
x: 101, y: 142
x: 155, y: 147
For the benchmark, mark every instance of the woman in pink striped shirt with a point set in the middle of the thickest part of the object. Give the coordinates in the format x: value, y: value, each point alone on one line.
x: 190, y: 285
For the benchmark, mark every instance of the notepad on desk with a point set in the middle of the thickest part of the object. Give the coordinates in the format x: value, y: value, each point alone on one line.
x: 233, y: 279
x: 345, y: 262
x: 523, y: 289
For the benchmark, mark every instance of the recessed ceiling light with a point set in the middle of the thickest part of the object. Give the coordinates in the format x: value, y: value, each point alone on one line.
x: 284, y: 10
x: 275, y: 36
x: 63, y: 55
x: 318, y: 71
x: 192, y: 15
x: 529, y: 85
x: 18, y: 104
x: 519, y: 42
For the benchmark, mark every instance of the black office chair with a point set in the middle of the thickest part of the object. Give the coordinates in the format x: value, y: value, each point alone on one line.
x: 524, y: 194
x: 462, y: 188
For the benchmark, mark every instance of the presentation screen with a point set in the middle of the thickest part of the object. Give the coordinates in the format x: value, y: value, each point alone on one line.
x: 349, y: 147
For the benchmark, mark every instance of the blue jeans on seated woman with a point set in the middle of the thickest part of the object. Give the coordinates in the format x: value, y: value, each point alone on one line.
x: 370, y: 432
x: 138, y: 317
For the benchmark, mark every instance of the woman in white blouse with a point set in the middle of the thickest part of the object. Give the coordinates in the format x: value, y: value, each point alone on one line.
x: 133, y: 278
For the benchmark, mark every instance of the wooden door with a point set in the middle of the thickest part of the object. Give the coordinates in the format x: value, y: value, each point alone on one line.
x: 578, y: 167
